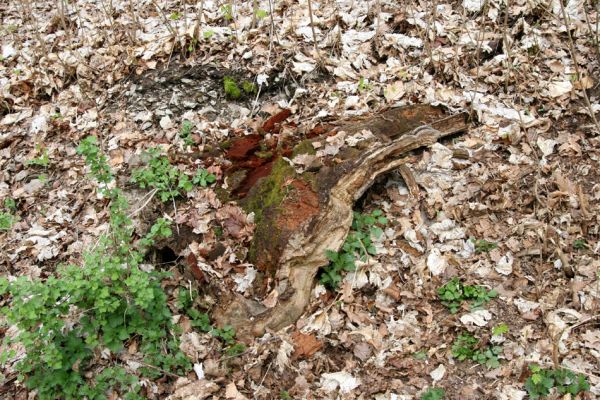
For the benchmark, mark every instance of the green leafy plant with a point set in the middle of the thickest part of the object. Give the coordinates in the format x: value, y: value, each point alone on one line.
x: 186, y: 133
x: 454, y: 293
x: 104, y: 304
x: 465, y: 348
x: 500, y: 329
x: 175, y: 16
x: 564, y: 381
x: 260, y: 14
x: 331, y: 275
x: 7, y: 219
x: 357, y: 246
x: 364, y: 85
x: 580, y: 244
x: 200, y: 320
x: 203, y: 178
x: 284, y: 395
x: 10, y: 204
x: 42, y: 160
x: 433, y: 394
x: 159, y: 174
x: 483, y: 246
x: 235, y: 349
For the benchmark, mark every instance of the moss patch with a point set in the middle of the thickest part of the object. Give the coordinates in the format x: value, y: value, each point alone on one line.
x: 264, y: 200
x: 304, y: 147
x: 225, y: 145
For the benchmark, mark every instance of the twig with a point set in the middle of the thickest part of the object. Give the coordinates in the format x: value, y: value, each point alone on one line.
x: 576, y: 65
x: 312, y: 27
x: 150, y: 197
x: 166, y: 20
x: 594, y: 37
x: 172, y: 375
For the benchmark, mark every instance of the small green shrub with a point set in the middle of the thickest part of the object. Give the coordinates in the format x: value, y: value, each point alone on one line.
x: 433, y: 394
x: 357, y: 246
x: 159, y: 174
x: 78, y: 312
x: 465, y: 348
x: 542, y: 381
x: 454, y: 293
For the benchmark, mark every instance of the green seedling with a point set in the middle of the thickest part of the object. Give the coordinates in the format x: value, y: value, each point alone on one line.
x: 235, y: 350
x: 357, y: 246
x: 203, y: 178
x: 500, y: 330
x: 433, y: 394
x: 42, y: 160
x: 10, y: 204
x: 160, y: 175
x: 454, y: 293
x: 483, y: 246
x: 364, y: 85
x: 541, y: 381
x: 186, y: 133
x: 580, y: 244
x: 284, y: 395
x: 465, y: 348
x: 260, y: 14
x: 6, y: 220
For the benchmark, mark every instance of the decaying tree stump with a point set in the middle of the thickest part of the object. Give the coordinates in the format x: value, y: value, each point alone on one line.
x: 303, y: 205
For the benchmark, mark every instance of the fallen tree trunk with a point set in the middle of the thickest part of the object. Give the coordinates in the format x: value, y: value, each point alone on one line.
x: 303, y: 206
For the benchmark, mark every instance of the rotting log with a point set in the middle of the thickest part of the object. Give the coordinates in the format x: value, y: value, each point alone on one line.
x: 301, y: 215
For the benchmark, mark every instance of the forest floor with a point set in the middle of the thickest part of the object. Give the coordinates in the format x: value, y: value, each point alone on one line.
x: 491, y: 268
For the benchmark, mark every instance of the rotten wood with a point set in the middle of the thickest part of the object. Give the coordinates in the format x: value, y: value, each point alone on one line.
x: 314, y: 213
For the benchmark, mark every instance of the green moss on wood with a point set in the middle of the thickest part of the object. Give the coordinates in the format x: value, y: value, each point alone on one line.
x: 225, y: 145
x: 264, y: 200
x: 304, y: 147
